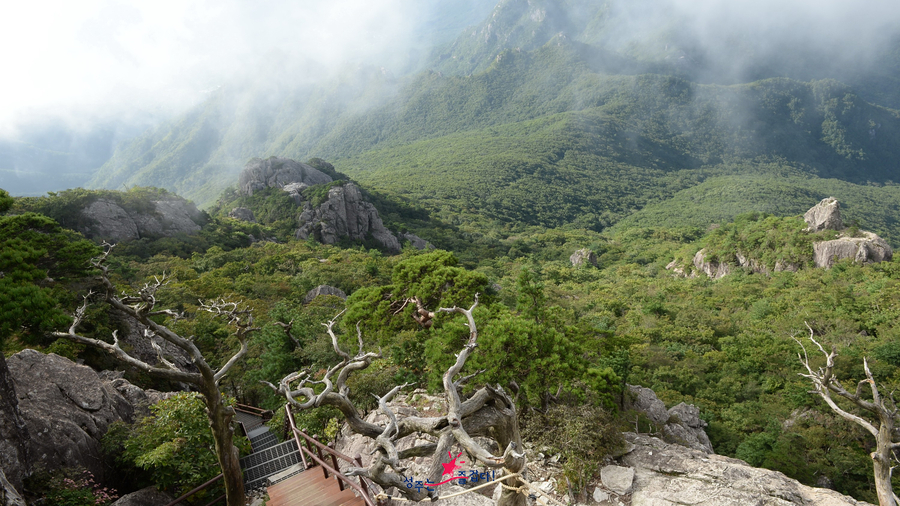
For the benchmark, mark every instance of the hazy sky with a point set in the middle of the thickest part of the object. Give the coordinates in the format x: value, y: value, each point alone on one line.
x: 86, y: 58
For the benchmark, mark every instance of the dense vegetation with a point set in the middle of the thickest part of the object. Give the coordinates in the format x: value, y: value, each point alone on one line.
x: 532, y: 136
x: 570, y: 337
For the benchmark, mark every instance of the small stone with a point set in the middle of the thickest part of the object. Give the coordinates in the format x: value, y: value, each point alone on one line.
x: 600, y: 495
x: 617, y: 479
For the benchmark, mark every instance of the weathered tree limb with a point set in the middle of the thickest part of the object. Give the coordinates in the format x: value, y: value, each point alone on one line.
x: 488, y: 412
x: 288, y: 327
x: 141, y: 307
x: 885, y: 416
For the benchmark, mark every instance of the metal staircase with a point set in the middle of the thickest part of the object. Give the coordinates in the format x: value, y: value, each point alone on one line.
x: 269, y: 457
x: 292, y: 479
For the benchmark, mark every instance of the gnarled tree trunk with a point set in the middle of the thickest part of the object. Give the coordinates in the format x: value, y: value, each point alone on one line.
x: 142, y: 307
x: 489, y: 412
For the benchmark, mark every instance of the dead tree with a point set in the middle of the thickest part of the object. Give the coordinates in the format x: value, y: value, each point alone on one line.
x: 489, y: 412
x: 882, y: 415
x: 142, y: 307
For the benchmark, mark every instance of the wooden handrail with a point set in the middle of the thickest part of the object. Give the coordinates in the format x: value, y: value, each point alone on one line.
x: 362, y: 488
x: 197, y: 489
x: 290, y: 420
x: 265, y: 414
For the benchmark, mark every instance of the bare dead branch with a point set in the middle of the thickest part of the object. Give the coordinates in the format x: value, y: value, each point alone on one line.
x: 488, y: 412
x: 885, y: 417
x: 288, y: 327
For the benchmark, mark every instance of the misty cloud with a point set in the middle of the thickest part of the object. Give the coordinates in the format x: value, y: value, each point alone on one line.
x: 93, y: 59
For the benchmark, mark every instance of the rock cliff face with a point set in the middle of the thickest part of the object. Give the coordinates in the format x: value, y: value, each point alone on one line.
x: 650, y: 472
x: 106, y: 220
x: 680, y: 424
x: 670, y: 474
x: 583, y: 256
x: 13, y: 434
x: 323, y: 290
x: 826, y: 215
x: 277, y: 173
x: 345, y: 214
x: 67, y: 408
x: 867, y: 249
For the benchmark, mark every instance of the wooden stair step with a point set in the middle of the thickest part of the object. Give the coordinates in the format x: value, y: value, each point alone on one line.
x: 305, y: 480
x: 311, y: 488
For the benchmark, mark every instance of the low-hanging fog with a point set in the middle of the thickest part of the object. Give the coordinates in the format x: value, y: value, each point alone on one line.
x: 96, y: 72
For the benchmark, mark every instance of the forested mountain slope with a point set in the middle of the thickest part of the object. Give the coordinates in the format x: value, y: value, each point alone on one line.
x: 551, y: 121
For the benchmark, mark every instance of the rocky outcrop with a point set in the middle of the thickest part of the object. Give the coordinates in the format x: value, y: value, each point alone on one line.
x: 9, y: 496
x: 134, y: 336
x: 864, y: 250
x: 650, y: 472
x: 345, y: 214
x: 711, y: 268
x: 826, y: 215
x: 13, y: 433
x: 680, y: 424
x: 242, y: 214
x: 670, y: 474
x: 323, y: 290
x: 66, y: 408
x: 416, y: 241
x: 145, y: 497
x: 276, y: 172
x: 686, y: 428
x: 863, y: 247
x: 583, y: 256
x: 106, y: 220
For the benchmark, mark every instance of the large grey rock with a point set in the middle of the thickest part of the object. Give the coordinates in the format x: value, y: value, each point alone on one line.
x: 617, y: 479
x: 323, y: 290
x: 145, y: 497
x: 242, y: 214
x: 107, y: 220
x: 13, y: 432
x: 670, y: 474
x: 681, y: 424
x: 711, y: 268
x: 826, y: 215
x: 416, y: 241
x: 866, y: 249
x: 645, y: 401
x: 686, y: 428
x: 345, y: 214
x: 66, y: 408
x: 276, y: 172
x: 583, y: 256
x: 9, y: 496
x: 169, y: 218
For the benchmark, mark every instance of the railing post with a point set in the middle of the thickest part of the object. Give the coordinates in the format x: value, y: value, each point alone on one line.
x: 290, y: 419
x: 321, y: 457
x: 336, y: 468
x: 362, y: 481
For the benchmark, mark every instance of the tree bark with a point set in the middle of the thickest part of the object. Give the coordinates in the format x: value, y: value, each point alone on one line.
x: 220, y: 417
x: 881, y: 458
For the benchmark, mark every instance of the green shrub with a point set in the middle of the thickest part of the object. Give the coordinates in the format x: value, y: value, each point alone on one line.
x: 583, y: 435
x: 174, y: 443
